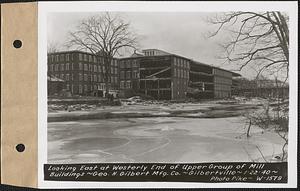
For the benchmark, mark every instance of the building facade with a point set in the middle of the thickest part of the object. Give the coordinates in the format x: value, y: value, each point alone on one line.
x: 155, y: 73
x: 201, y: 81
x: 167, y: 76
x: 83, y: 73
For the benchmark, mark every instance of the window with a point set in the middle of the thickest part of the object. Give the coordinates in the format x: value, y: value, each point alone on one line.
x: 95, y: 78
x: 128, y: 84
x: 122, y: 75
x: 111, y: 70
x: 67, y: 57
x: 72, y: 77
x: 56, y: 58
x: 62, y: 66
x: 80, y: 77
x: 116, y: 71
x: 80, y: 66
x: 95, y: 68
x: 116, y: 79
x: 99, y: 78
x: 67, y: 77
x: 112, y: 79
x: 128, y: 75
x: 62, y: 76
x: 51, y: 67
x: 85, y: 88
x: 128, y: 64
x: 134, y: 63
x: 68, y: 87
x: 85, y: 77
x: 122, y: 84
x: 95, y: 87
x: 95, y: 59
x: 122, y: 64
x: 90, y: 58
x: 80, y: 89
x: 103, y: 69
x: 80, y: 56
x: 134, y: 74
x: 72, y: 66
x: 61, y: 57
x: 85, y: 67
x: 67, y: 66
x: 90, y: 67
x: 99, y: 68
x: 85, y: 57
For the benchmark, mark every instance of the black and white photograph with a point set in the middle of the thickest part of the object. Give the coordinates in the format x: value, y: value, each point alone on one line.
x: 169, y: 87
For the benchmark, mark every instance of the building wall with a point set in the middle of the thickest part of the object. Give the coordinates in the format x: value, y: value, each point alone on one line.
x: 180, y: 77
x: 222, y: 83
x: 156, y: 76
x: 201, y: 84
x: 82, y: 72
x: 129, y: 74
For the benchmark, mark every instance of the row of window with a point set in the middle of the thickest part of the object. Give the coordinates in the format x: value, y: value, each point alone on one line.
x: 66, y: 77
x: 125, y: 84
x: 96, y: 78
x: 81, y: 57
x: 61, y: 67
x: 86, y: 88
x: 181, y: 63
x: 129, y: 74
x: 60, y: 57
x: 128, y: 64
x: 95, y: 68
x: 85, y: 67
x: 180, y: 73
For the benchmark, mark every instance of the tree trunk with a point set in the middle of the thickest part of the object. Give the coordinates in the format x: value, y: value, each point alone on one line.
x: 107, y: 62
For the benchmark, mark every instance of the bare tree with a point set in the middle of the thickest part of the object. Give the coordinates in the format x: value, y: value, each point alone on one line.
x: 256, y: 38
x: 103, y: 35
x: 52, y: 47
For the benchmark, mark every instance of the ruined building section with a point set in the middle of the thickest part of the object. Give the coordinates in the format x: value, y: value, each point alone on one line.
x: 222, y: 83
x: 156, y: 77
x: 201, y: 81
x: 155, y: 73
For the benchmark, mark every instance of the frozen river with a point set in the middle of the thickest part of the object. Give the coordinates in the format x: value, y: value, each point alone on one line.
x: 159, y: 139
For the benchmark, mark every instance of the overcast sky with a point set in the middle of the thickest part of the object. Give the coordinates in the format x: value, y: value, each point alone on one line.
x: 184, y: 34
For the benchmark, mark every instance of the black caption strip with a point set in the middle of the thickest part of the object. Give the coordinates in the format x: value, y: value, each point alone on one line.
x: 158, y: 172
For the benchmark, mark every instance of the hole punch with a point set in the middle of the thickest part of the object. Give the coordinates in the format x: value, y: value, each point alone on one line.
x: 20, y: 148
x: 17, y: 44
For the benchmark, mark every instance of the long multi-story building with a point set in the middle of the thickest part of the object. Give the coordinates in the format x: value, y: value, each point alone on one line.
x: 154, y: 73
x: 83, y: 73
x: 163, y: 75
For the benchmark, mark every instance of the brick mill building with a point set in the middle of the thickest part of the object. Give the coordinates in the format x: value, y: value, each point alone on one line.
x: 82, y: 72
x: 167, y: 76
x: 155, y: 73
